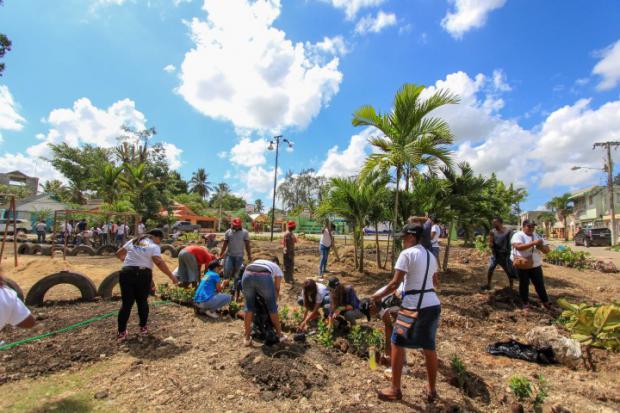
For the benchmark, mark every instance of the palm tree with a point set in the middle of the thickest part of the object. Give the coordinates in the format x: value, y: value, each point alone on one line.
x: 378, y: 212
x: 56, y: 189
x: 107, y: 183
x: 548, y: 219
x: 221, y: 190
x: 410, y: 136
x: 200, y: 183
x: 563, y: 207
x: 258, y: 205
x: 137, y: 181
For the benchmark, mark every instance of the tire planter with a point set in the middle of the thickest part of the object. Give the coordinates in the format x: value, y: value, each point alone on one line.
x: 107, y: 285
x: 40, y: 288
x: 13, y: 285
x: 24, y: 249
x: 170, y: 249
x: 82, y: 249
x: 106, y: 250
x: 47, y: 249
x: 181, y: 248
x: 36, y: 249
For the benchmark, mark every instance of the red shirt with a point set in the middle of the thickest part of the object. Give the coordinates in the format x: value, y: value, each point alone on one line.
x: 203, y: 257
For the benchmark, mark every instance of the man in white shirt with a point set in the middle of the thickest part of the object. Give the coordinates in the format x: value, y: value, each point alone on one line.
x: 12, y: 310
x: 435, y: 234
x: 121, y: 229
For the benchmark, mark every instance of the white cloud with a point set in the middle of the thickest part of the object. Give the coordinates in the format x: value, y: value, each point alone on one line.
x: 173, y: 155
x: 170, y: 68
x: 178, y: 2
x: 331, y: 45
x: 248, y: 152
x: 375, y: 24
x: 468, y: 14
x: 244, y: 70
x: 258, y: 182
x: 10, y: 119
x: 29, y: 165
x: 351, y: 7
x: 608, y: 67
x: 350, y: 160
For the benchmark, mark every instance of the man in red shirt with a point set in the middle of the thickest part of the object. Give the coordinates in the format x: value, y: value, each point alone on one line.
x: 191, y: 260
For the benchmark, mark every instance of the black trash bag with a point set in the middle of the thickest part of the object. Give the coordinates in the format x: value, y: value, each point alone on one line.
x: 262, y: 328
x: 516, y: 350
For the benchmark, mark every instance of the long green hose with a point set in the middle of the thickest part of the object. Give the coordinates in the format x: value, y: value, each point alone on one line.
x: 71, y: 327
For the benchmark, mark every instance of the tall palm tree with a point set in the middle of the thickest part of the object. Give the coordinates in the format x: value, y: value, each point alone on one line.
x: 258, y: 205
x: 410, y: 136
x: 200, y: 183
x: 107, y: 183
x: 137, y: 181
x: 56, y: 189
x: 221, y: 190
x: 563, y: 207
x: 375, y: 184
x: 548, y: 219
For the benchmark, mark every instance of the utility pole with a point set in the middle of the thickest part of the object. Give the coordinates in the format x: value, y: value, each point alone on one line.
x: 610, y: 184
x: 276, y: 140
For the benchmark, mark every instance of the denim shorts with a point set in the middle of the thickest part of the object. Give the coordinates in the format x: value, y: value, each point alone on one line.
x: 259, y: 284
x: 424, y: 330
x: 232, y: 265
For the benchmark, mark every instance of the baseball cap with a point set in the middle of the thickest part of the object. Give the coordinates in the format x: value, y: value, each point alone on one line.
x: 236, y: 222
x: 291, y: 224
x: 156, y: 232
x: 529, y: 222
x: 333, y: 282
x: 413, y: 229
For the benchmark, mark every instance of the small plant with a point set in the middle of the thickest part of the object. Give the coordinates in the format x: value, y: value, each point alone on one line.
x: 363, y: 338
x: 325, y: 334
x: 233, y: 308
x: 284, y: 312
x: 521, y: 387
x: 569, y: 258
x: 541, y: 392
x: 459, y: 370
x: 297, y: 316
x: 592, y: 325
x: 481, y: 243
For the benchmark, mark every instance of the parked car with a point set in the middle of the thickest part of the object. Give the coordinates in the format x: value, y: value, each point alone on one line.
x: 23, y: 226
x: 590, y: 237
x: 185, y: 226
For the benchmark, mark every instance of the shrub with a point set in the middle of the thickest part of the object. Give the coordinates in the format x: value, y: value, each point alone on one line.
x: 481, y: 244
x: 521, y: 387
x: 325, y: 334
x: 364, y: 338
x: 569, y: 258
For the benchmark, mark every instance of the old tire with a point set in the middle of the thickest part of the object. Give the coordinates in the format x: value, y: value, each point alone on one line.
x: 40, y: 288
x: 82, y: 249
x: 36, y: 249
x: 181, y: 248
x: 167, y: 248
x: 47, y: 249
x: 106, y: 250
x: 24, y: 249
x: 13, y: 285
x: 107, y: 285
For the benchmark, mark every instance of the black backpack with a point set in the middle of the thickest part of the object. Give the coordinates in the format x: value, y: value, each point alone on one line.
x: 262, y: 328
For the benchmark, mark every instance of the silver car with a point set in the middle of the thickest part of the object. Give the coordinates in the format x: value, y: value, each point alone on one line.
x: 23, y: 226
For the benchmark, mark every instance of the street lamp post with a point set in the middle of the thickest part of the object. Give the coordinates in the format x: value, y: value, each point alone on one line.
x: 276, y: 141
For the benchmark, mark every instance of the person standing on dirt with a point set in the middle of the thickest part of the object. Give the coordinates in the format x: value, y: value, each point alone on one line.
x: 325, y: 244
x: 435, y: 234
x: 12, y: 309
x: 418, y: 318
x: 288, y: 252
x: 314, y: 296
x: 41, y: 229
x: 528, y: 247
x: 209, y: 297
x: 343, y: 302
x: 67, y: 230
x: 261, y: 277
x: 136, y: 277
x: 236, y: 239
x: 121, y: 231
x: 191, y: 261
x: 499, y: 243
x: 426, y: 241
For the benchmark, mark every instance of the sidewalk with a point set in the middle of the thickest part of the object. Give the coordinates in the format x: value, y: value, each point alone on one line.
x: 595, y: 252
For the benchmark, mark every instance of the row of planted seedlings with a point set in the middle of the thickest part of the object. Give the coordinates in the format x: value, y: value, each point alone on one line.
x: 185, y: 296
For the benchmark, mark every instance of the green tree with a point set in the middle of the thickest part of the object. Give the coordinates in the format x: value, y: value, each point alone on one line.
x: 200, y: 183
x: 410, y: 135
x: 57, y: 190
x: 108, y: 182
x: 562, y: 206
x: 376, y: 185
x: 5, y: 46
x: 258, y: 205
x: 18, y: 191
x: 176, y: 184
x: 301, y: 190
x: 548, y: 219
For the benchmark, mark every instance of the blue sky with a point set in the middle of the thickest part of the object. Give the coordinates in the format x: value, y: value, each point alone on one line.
x: 539, y: 81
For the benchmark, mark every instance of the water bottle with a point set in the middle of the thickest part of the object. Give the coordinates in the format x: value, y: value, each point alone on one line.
x: 372, y: 361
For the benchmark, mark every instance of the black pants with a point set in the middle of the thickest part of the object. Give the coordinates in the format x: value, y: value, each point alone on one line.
x: 40, y: 236
x: 135, y: 286
x: 289, y: 268
x: 536, y: 276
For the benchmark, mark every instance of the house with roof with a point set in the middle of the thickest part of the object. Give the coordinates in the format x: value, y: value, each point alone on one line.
x: 591, y: 208
x: 181, y: 212
x: 36, y: 206
x: 18, y: 179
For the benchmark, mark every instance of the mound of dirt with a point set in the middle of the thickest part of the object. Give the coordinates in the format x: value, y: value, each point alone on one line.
x: 290, y: 372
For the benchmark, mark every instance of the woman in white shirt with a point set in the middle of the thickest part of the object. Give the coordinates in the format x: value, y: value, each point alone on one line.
x: 527, y: 244
x: 314, y: 296
x: 417, y: 269
x: 327, y: 240
x: 12, y: 310
x: 136, y: 277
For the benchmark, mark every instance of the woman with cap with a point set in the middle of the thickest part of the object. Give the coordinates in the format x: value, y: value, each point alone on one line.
x: 527, y: 250
x: 136, y: 277
x: 191, y: 261
x: 418, y: 318
x: 343, y: 301
x: 209, y: 297
x: 288, y: 243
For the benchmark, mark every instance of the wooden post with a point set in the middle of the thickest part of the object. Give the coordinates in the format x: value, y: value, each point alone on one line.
x: 14, y: 208
x: 65, y: 238
x: 53, y: 234
x: 6, y: 228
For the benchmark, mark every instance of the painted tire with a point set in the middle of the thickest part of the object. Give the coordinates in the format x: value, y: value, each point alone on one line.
x: 40, y: 288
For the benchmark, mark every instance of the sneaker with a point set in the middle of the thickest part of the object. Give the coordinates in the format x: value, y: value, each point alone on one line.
x: 284, y: 339
x: 122, y: 336
x: 212, y: 314
x: 144, y: 330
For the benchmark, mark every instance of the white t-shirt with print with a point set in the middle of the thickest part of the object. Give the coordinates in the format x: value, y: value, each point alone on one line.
x: 413, y: 262
x: 141, y: 255
x: 326, y: 238
x: 12, y: 310
x: 435, y: 240
x: 521, y: 237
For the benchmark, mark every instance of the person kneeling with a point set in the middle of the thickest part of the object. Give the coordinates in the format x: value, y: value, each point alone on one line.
x: 344, y: 302
x: 208, y: 297
x: 314, y: 296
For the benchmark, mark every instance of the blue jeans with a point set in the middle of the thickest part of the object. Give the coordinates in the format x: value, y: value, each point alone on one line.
x: 263, y: 285
x: 324, y: 256
x: 232, y: 265
x: 215, y: 303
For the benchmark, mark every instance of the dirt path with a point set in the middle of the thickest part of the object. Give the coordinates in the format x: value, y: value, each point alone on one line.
x: 189, y: 363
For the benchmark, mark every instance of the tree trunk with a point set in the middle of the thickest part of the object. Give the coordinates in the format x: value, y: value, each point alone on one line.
x: 377, y: 245
x: 407, y: 177
x: 565, y: 230
x: 395, y: 222
x: 387, y: 251
x: 361, y: 240
x: 447, y: 253
x: 355, y: 248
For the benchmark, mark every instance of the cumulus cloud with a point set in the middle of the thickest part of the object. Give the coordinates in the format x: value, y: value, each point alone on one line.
x: 173, y: 155
x: 10, y: 119
x: 249, y: 152
x: 608, y: 67
x: 351, y: 7
x: 349, y: 161
x: 375, y: 24
x: 468, y: 14
x: 258, y: 182
x: 244, y: 70
x: 170, y: 68
x: 29, y: 165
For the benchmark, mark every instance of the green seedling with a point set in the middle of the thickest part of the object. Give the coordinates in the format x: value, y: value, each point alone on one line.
x: 521, y: 387
x: 459, y: 370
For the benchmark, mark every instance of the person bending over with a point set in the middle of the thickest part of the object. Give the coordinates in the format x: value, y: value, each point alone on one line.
x: 344, y: 302
x: 191, y: 261
x: 12, y: 309
x: 209, y: 297
x: 314, y: 296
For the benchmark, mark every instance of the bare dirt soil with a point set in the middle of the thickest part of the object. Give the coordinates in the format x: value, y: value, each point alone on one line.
x: 190, y: 363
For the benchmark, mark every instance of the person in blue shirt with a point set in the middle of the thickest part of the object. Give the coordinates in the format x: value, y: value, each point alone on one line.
x: 209, y: 298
